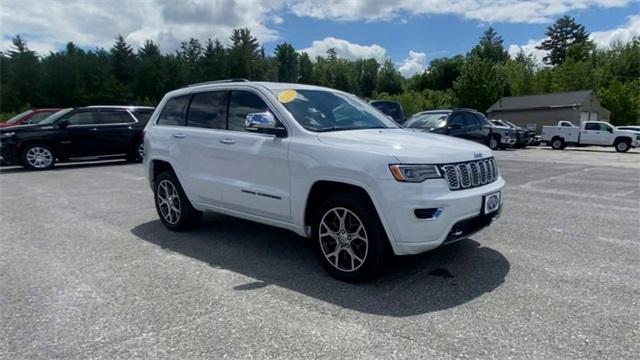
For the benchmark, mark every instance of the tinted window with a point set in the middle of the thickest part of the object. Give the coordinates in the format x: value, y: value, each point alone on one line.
x: 81, y: 118
x: 481, y: 119
x: 456, y: 120
x: 592, y: 126
x: 427, y: 121
x: 112, y: 117
x: 174, y: 111
x: 40, y: 116
x: 242, y: 103
x: 143, y: 115
x: 209, y: 110
x: 468, y: 119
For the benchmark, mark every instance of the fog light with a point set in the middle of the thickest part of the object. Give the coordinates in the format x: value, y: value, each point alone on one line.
x: 428, y: 214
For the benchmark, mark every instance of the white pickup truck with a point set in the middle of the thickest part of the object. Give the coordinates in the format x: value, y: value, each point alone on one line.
x: 596, y: 133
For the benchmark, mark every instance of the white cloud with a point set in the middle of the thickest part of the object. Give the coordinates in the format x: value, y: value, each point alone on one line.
x: 48, y: 24
x: 603, y: 39
x: 345, y: 49
x: 516, y: 11
x: 414, y: 64
x: 622, y: 34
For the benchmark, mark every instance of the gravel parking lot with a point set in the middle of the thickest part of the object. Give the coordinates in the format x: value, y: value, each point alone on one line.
x: 88, y: 271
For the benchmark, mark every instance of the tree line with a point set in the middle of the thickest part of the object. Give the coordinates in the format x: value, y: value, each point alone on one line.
x: 121, y: 75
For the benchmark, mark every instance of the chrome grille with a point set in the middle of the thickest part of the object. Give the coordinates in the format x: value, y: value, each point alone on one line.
x: 470, y: 174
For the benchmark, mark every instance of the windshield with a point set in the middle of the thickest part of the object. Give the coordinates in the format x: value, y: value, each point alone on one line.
x: 510, y: 124
x: 323, y: 110
x: 52, y: 118
x: 17, y: 118
x: 428, y: 121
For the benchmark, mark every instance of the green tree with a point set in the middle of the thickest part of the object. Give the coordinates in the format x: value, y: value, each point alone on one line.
x: 389, y: 79
x: 441, y: 74
x: 150, y: 74
x: 123, y: 61
x: 243, y: 54
x: 490, y: 48
x: 479, y: 85
x: 565, y: 39
x: 286, y: 59
x: 367, y: 70
x: 214, y: 61
x: 23, y: 81
x: 306, y: 69
x: 189, y: 56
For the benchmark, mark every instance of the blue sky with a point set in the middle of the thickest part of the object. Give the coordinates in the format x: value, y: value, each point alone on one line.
x: 410, y: 32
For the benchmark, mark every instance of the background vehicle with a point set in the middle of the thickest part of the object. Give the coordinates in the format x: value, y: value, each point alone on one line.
x: 634, y: 128
x: 319, y: 162
x: 93, y: 131
x: 32, y: 116
x: 522, y: 135
x: 590, y: 133
x: 391, y: 108
x: 467, y: 124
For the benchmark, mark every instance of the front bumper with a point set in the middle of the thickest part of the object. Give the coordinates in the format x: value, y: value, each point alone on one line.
x: 411, y: 235
x: 8, y: 154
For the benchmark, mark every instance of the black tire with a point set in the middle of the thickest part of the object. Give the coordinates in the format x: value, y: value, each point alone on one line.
x: 373, y: 254
x: 136, y: 154
x: 558, y: 144
x: 494, y: 142
x: 622, y: 145
x: 38, y: 157
x: 187, y: 217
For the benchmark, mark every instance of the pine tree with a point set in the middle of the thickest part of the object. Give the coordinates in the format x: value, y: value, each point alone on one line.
x: 286, y: 59
x: 123, y: 61
x: 214, y: 61
x: 490, y: 48
x: 243, y: 54
x: 565, y: 39
x: 389, y: 80
x: 306, y: 69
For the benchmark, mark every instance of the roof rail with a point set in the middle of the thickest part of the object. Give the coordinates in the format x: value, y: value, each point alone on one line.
x: 217, y: 82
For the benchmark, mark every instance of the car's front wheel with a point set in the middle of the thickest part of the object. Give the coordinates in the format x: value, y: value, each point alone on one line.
x: 38, y: 157
x: 494, y: 142
x: 173, y: 206
x: 557, y: 144
x: 349, y: 238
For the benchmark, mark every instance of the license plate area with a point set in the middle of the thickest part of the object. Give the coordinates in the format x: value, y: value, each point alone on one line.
x: 491, y: 203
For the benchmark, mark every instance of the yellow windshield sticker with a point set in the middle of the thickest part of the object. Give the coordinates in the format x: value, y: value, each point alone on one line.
x: 287, y: 96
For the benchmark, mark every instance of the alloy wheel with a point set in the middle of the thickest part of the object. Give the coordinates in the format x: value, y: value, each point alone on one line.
x: 622, y: 146
x: 343, y: 239
x: 169, y: 202
x: 39, y: 157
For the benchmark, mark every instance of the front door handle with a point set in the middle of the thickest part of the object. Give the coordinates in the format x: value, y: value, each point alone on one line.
x: 178, y: 135
x: 228, y: 141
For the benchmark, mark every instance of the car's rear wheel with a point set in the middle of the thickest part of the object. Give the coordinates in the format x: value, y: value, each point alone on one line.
x: 173, y: 206
x: 623, y: 146
x: 349, y: 238
x: 557, y: 144
x: 137, y: 152
x: 38, y: 157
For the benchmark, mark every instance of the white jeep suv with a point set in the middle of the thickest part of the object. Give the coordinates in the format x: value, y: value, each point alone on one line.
x: 321, y: 163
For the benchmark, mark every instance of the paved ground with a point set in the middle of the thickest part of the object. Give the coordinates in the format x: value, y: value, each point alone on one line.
x: 87, y: 271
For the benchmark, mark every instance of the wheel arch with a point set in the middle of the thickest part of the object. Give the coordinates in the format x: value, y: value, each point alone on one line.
x: 321, y: 189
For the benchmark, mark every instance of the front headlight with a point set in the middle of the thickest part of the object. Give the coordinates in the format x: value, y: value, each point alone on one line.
x: 414, y: 173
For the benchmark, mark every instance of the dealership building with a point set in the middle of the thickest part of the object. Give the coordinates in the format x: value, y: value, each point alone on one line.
x: 535, y: 111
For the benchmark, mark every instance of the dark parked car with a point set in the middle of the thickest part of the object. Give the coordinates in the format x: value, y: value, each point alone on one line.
x: 32, y: 116
x: 523, y: 136
x: 390, y: 108
x: 463, y: 123
x: 94, y: 131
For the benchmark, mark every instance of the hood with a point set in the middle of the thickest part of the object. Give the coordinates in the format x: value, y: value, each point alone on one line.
x: 407, y: 146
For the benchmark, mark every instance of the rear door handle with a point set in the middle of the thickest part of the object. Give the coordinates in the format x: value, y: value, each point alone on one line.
x: 178, y: 135
x: 228, y: 141
x: 94, y: 129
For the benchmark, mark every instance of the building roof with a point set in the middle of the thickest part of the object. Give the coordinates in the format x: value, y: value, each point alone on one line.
x: 544, y: 101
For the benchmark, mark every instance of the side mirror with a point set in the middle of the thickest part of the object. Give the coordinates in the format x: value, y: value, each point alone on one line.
x: 610, y: 130
x: 263, y: 122
x: 63, y: 123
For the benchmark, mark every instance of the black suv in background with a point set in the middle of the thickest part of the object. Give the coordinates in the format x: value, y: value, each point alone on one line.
x: 463, y: 123
x: 94, y: 131
x: 522, y: 135
x: 390, y: 108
